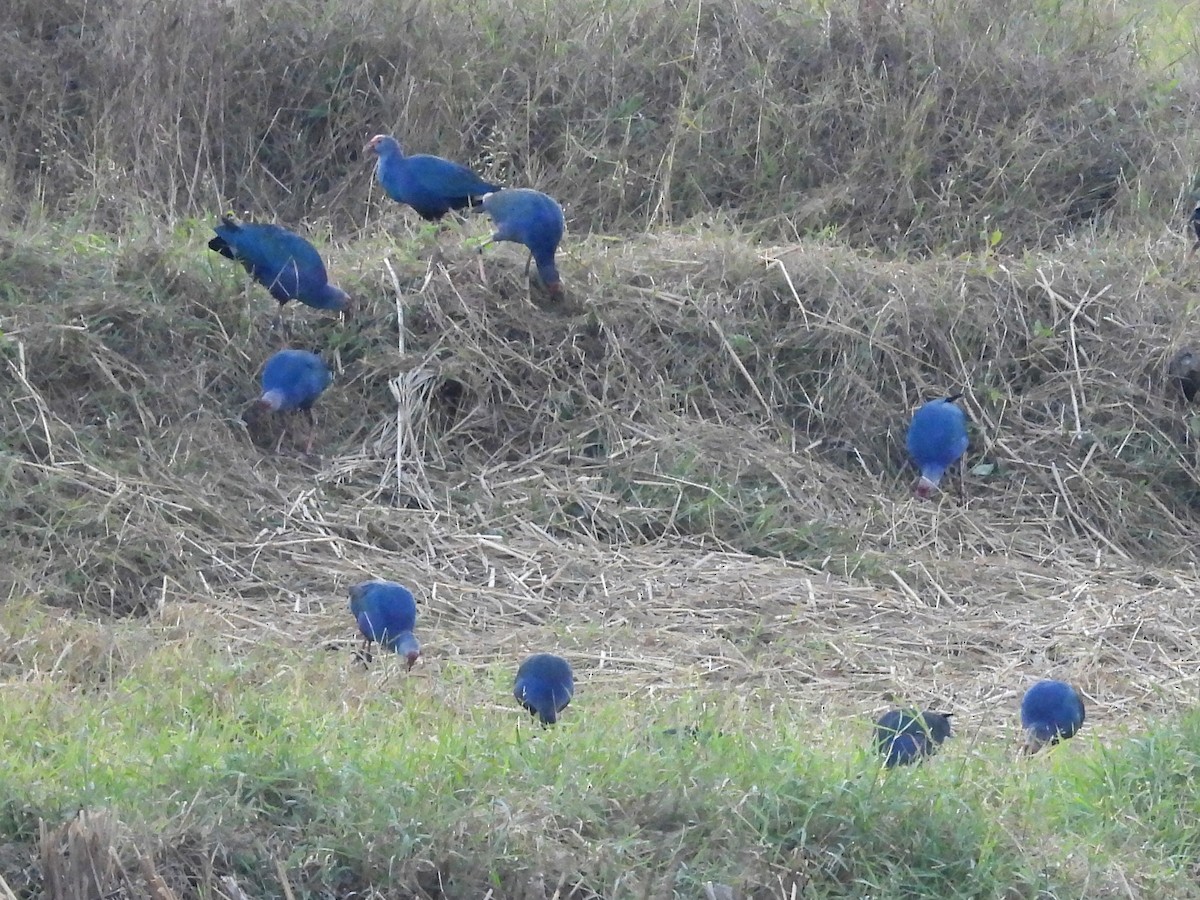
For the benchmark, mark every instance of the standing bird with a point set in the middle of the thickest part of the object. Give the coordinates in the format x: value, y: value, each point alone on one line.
x: 1184, y: 370
x: 544, y: 686
x: 1051, y: 711
x: 529, y: 217
x: 905, y: 737
x: 293, y: 380
x: 429, y: 184
x: 386, y: 613
x: 281, y: 261
x: 937, y: 438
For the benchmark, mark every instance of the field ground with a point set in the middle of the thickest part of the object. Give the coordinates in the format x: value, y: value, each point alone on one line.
x: 179, y: 595
x: 789, y: 224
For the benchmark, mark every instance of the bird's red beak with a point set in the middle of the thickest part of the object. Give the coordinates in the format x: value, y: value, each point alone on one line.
x: 372, y: 144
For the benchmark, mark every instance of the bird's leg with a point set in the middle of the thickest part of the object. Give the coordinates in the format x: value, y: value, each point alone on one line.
x: 479, y: 258
x: 312, y: 431
x: 528, y: 263
x: 363, y: 654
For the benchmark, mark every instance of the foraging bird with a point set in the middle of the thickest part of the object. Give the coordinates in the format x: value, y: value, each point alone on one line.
x: 544, y: 686
x: 386, y: 613
x: 293, y: 380
x: 937, y: 438
x: 429, y: 184
x: 905, y: 737
x: 1184, y: 369
x: 1051, y: 711
x: 529, y: 217
x: 284, y: 263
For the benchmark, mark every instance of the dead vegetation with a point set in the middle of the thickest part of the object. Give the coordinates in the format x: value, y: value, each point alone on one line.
x: 698, y: 480
x: 692, y: 475
x: 929, y: 132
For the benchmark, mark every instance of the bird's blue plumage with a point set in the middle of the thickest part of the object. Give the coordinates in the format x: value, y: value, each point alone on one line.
x: 281, y: 261
x: 386, y: 612
x: 1050, y: 711
x: 529, y: 217
x: 904, y: 737
x: 293, y: 379
x: 544, y: 686
x: 937, y: 439
x: 429, y: 184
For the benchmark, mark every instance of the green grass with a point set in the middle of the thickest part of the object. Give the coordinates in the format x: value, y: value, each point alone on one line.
x: 382, y: 772
x: 693, y: 483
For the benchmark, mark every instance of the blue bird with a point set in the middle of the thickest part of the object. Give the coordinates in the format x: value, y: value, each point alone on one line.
x: 1184, y: 370
x: 907, y: 736
x: 386, y: 613
x: 937, y: 439
x: 525, y: 216
x: 292, y: 380
x: 1195, y: 223
x: 1051, y: 711
x: 544, y: 686
x: 281, y: 261
x: 429, y: 184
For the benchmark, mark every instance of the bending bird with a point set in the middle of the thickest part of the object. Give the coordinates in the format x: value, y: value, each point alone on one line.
x: 429, y: 184
x: 386, y: 613
x: 937, y: 439
x: 292, y: 380
x: 529, y: 217
x: 287, y: 265
x: 1051, y: 711
x: 1184, y: 370
x: 544, y: 686
x: 908, y: 736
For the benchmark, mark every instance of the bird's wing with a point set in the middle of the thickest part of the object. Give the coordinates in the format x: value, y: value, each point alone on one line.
x: 448, y: 178
x: 284, y: 247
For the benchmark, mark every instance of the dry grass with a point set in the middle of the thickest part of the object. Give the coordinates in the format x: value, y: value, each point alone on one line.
x: 690, y: 478
x: 694, y: 483
x: 932, y: 131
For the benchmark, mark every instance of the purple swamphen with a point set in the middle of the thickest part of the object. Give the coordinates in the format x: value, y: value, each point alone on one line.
x: 1184, y: 371
x: 529, y: 217
x: 544, y: 686
x: 1051, y: 711
x: 284, y: 263
x: 937, y: 439
x: 429, y: 184
x: 908, y: 736
x: 386, y: 613
x: 292, y: 380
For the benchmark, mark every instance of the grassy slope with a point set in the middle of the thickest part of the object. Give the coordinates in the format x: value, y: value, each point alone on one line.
x: 693, y: 485
x: 225, y: 726
x: 351, y: 780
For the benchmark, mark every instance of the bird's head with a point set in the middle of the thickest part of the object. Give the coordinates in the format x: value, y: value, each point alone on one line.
x: 381, y: 144
x: 1032, y: 743
x: 1183, y: 362
x: 409, y: 647
x: 271, y: 401
x: 939, y: 725
x: 340, y: 301
x: 925, y: 488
